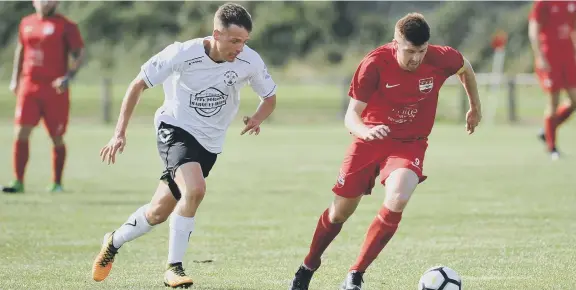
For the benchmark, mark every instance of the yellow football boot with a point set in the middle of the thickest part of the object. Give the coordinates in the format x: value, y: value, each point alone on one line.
x: 103, y: 262
x: 176, y: 278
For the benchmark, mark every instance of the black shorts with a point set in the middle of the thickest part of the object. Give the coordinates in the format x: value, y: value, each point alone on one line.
x: 176, y: 147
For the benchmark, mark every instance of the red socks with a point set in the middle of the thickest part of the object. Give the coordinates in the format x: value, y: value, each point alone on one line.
x: 21, y: 153
x: 323, y: 236
x: 379, y: 234
x: 551, y: 124
x: 550, y: 132
x: 58, y: 158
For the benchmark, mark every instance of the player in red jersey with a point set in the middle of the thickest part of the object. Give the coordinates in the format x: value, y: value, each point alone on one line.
x: 40, y: 81
x: 553, y: 38
x: 394, y: 95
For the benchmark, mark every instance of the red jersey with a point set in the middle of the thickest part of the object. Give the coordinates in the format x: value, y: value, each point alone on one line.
x: 556, y: 19
x: 404, y: 101
x: 47, y: 43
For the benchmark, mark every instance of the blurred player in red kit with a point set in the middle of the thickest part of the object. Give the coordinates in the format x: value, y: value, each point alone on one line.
x: 40, y: 82
x: 553, y: 38
x: 394, y: 96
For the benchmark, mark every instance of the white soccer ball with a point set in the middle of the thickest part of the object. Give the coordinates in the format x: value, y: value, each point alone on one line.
x: 440, y: 278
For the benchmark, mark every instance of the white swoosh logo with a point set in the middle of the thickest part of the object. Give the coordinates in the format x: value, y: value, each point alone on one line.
x: 389, y: 86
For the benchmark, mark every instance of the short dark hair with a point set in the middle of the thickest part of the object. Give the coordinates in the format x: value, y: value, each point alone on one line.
x: 234, y: 14
x: 414, y: 28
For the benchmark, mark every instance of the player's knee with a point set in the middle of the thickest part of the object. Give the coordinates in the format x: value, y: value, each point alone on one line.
x: 552, y: 107
x: 194, y: 193
x: 397, y: 200
x: 572, y: 98
x: 338, y: 217
x: 342, y: 208
x: 400, y: 185
x: 191, y: 183
x: 22, y: 132
x: 57, y: 140
x: 155, y: 216
x: 191, y: 199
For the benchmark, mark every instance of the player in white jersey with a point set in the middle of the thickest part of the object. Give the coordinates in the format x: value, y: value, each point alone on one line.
x: 201, y: 80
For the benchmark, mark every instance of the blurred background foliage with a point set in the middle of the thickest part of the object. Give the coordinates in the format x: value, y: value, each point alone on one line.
x: 297, y: 39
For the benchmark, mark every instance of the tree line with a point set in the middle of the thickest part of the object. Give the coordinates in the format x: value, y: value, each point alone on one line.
x: 328, y: 35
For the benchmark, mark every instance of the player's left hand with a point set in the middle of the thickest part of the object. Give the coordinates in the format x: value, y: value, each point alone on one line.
x: 60, y: 84
x: 473, y: 117
x: 252, y: 126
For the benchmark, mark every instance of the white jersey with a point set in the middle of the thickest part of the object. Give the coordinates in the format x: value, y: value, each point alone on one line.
x: 202, y: 96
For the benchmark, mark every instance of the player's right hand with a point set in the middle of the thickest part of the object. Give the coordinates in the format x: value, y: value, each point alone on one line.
x: 116, y: 144
x: 376, y: 132
x: 542, y: 63
x: 473, y: 117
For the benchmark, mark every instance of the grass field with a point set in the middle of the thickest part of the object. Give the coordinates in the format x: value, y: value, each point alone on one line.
x: 495, y: 208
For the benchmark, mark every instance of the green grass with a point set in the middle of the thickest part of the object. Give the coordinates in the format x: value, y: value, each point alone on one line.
x: 495, y: 209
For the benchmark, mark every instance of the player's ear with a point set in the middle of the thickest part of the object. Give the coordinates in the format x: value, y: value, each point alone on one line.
x: 216, y: 34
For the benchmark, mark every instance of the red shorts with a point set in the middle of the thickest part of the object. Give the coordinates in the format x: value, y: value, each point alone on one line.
x: 562, y: 74
x: 364, y: 161
x: 40, y: 100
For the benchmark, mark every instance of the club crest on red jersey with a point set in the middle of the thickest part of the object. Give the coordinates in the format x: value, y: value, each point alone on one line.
x: 48, y: 29
x: 426, y: 85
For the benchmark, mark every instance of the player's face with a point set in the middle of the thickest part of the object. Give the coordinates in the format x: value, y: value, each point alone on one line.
x: 45, y: 7
x: 409, y: 56
x: 230, y: 41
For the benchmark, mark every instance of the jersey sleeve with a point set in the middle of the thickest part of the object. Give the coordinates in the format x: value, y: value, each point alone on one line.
x: 538, y: 12
x: 159, y: 67
x: 451, y: 60
x: 365, y: 80
x: 260, y: 80
x: 73, y: 37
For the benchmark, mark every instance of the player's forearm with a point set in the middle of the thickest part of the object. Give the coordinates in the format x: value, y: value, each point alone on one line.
x: 354, y: 124
x: 265, y: 108
x: 535, y: 44
x: 128, y: 105
x: 533, y: 32
x: 76, y: 63
x: 17, y: 67
x: 468, y: 79
x: 353, y: 118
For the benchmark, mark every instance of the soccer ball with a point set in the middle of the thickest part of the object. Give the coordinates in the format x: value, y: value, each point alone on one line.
x: 440, y: 278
